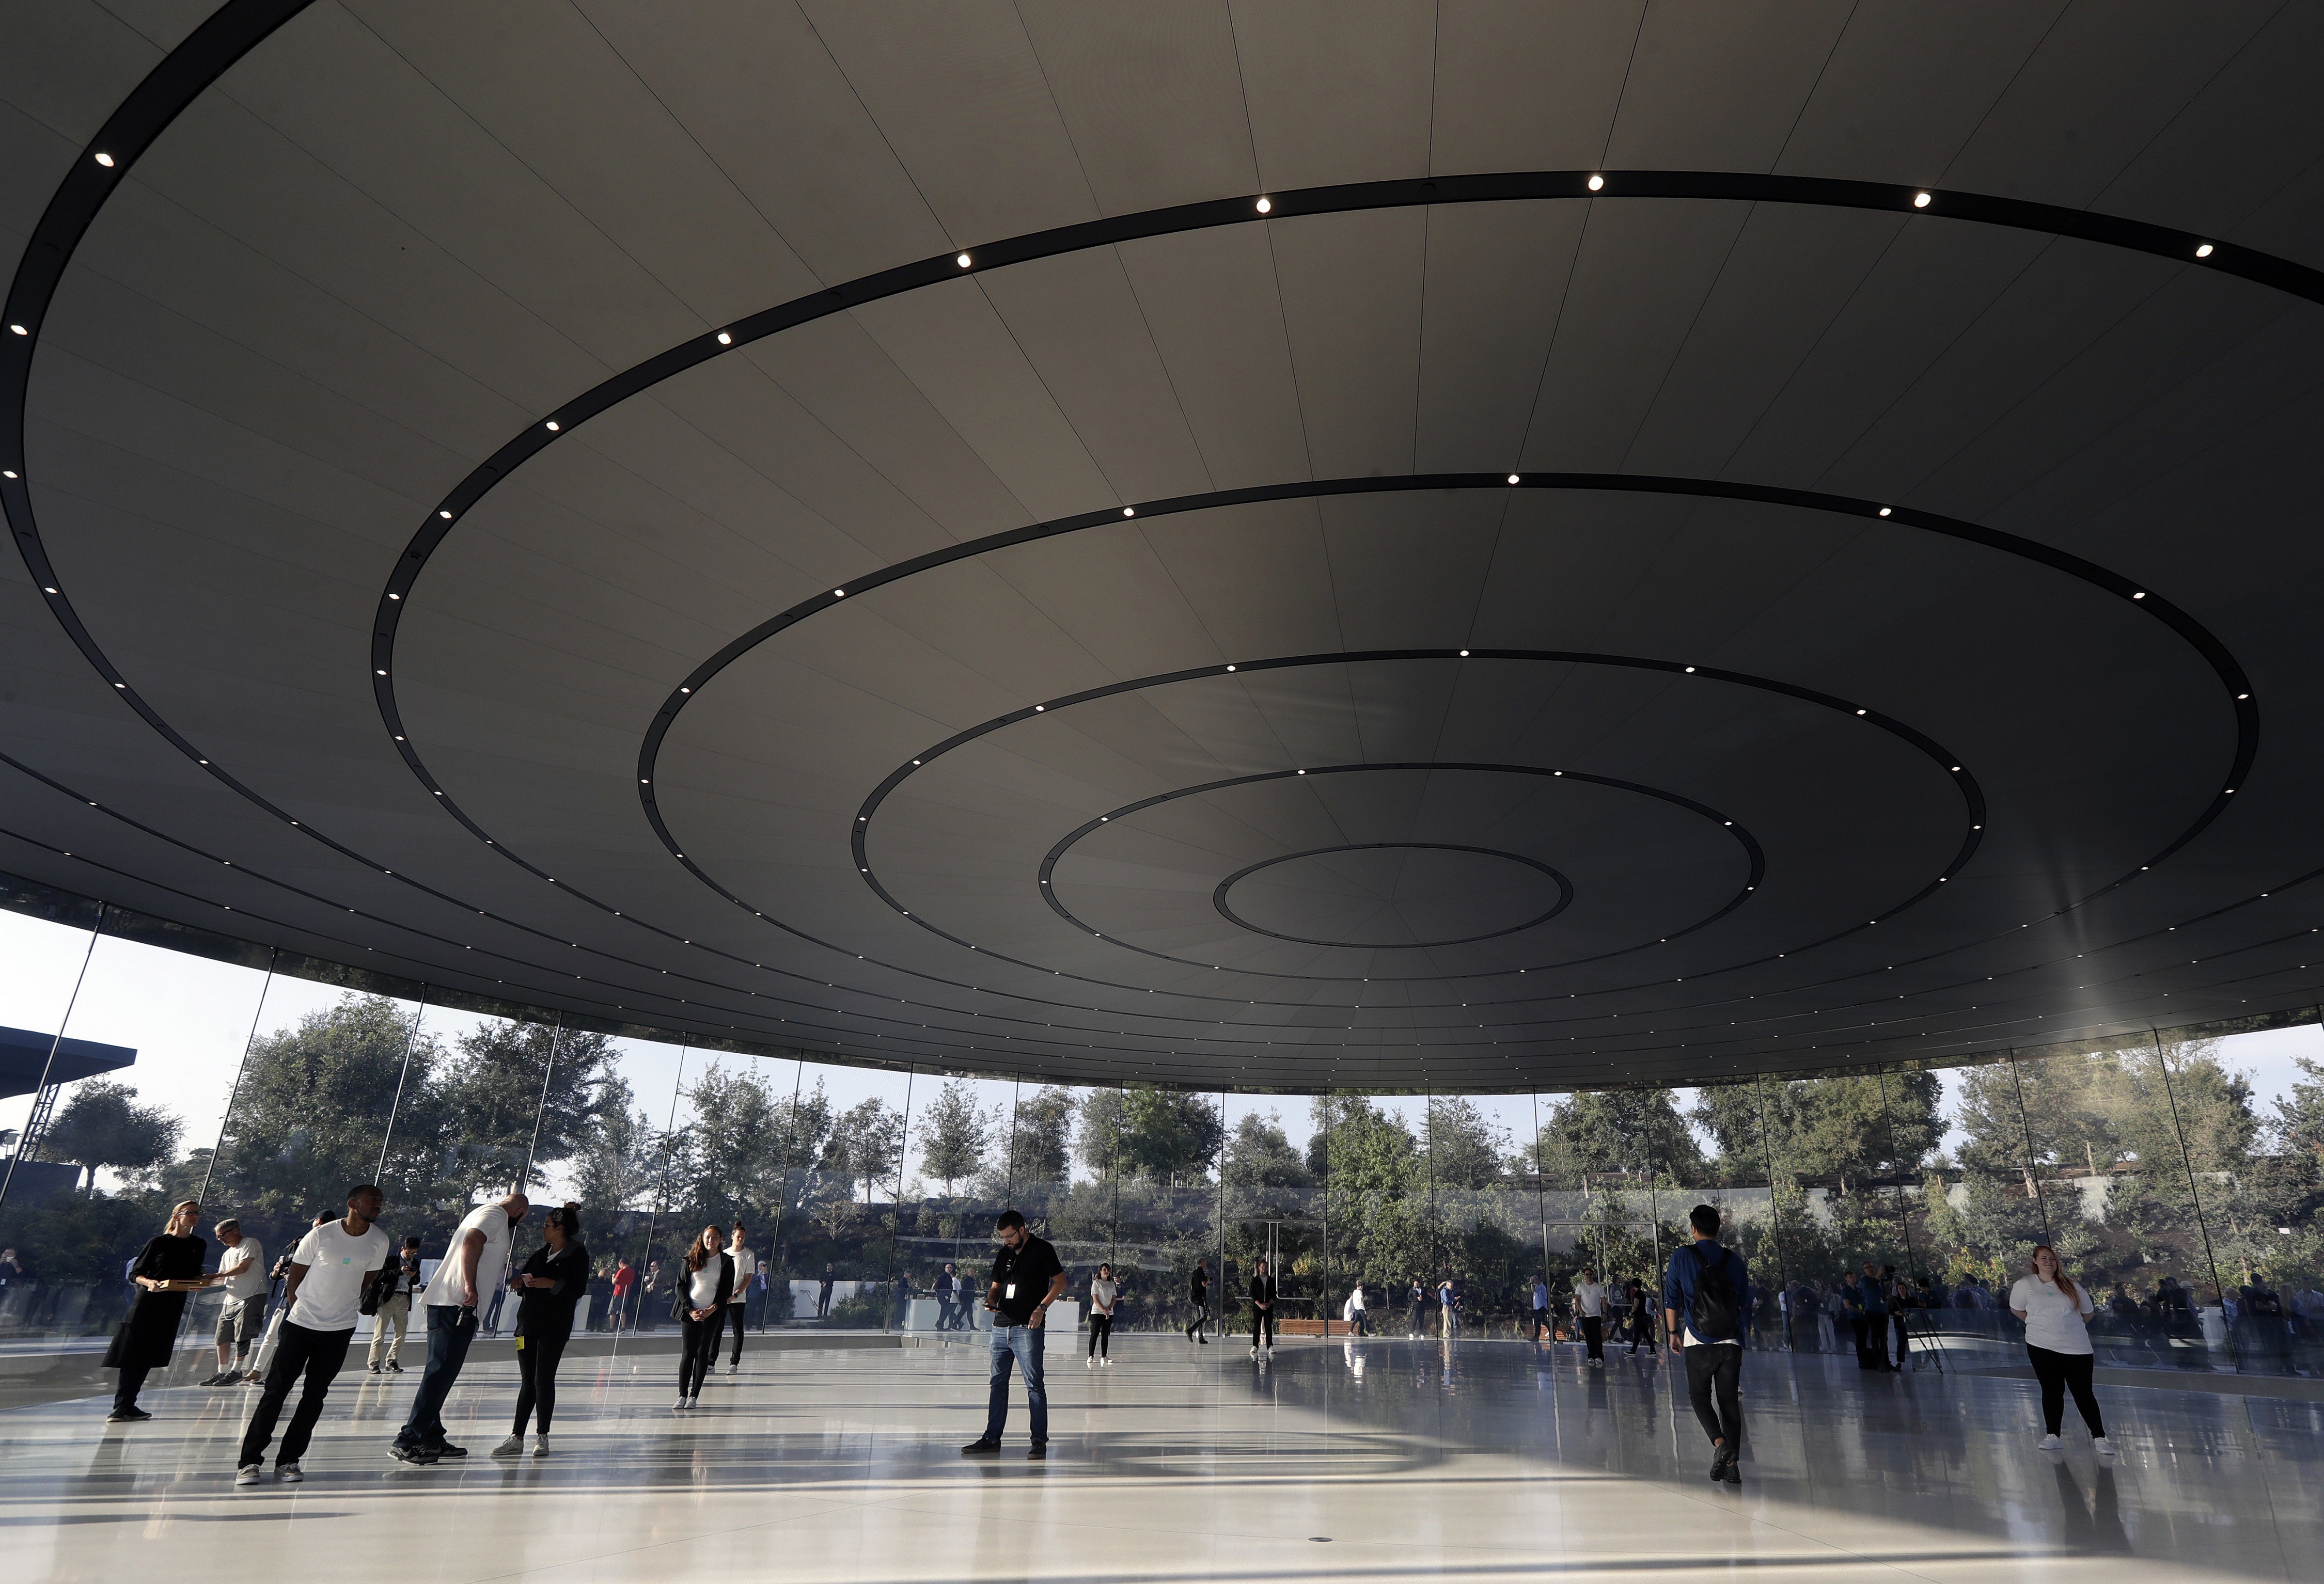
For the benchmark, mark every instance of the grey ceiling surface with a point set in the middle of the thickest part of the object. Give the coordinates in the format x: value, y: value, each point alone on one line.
x: 393, y: 236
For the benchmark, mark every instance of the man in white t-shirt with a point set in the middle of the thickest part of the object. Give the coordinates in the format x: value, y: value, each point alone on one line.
x: 321, y: 1301
x: 738, y: 1311
x: 474, y: 1262
x: 1589, y: 1307
x: 242, y: 1319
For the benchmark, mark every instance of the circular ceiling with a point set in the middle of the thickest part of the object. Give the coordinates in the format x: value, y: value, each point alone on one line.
x: 1498, y: 550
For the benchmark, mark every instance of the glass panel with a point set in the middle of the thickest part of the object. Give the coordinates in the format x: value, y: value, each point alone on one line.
x: 1614, y: 1166
x: 1979, y: 1214
x: 1274, y: 1213
x: 1382, y: 1233
x: 960, y: 1158
x: 620, y: 1171
x: 1166, y: 1144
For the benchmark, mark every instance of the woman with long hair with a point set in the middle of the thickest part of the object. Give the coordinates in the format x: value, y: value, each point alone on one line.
x: 166, y: 1269
x: 2056, y: 1314
x: 1104, y: 1294
x: 548, y: 1288
x: 703, y: 1286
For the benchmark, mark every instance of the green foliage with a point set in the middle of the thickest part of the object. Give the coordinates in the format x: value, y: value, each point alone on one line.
x: 1465, y: 1149
x: 952, y: 1132
x: 1635, y: 1131
x: 1259, y: 1155
x: 1040, y: 1138
x: 1164, y: 1136
x: 101, y: 1125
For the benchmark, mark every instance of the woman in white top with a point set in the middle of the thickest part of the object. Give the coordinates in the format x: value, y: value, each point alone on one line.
x: 2058, y: 1342
x: 703, y: 1286
x: 1104, y: 1294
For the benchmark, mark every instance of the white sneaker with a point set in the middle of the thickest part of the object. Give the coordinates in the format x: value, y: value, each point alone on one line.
x: 1254, y: 1352
x: 540, y: 1445
x: 510, y: 1447
x: 251, y: 1473
x: 680, y: 1406
x: 2049, y: 1443
x: 2102, y: 1447
x: 290, y: 1473
x: 1105, y: 1364
x: 733, y: 1369
x: 1090, y: 1362
x: 694, y: 1402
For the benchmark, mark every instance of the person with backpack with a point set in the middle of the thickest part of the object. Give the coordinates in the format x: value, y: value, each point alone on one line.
x: 1706, y: 1293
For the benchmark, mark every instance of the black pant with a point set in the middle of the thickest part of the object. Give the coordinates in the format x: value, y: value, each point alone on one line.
x: 1593, y: 1331
x: 297, y: 1352
x: 130, y: 1382
x: 698, y: 1339
x: 1717, y: 1367
x: 1201, y: 1318
x: 1903, y: 1335
x: 1641, y: 1330
x: 2057, y: 1372
x: 1262, y: 1327
x: 735, y: 1315
x: 1100, y: 1335
x: 1540, y: 1325
x: 1862, y: 1327
x: 537, y: 1358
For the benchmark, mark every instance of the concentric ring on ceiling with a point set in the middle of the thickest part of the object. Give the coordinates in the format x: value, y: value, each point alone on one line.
x: 1563, y: 887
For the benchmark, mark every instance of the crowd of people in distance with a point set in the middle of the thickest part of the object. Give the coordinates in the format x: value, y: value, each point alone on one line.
x: 346, y: 1265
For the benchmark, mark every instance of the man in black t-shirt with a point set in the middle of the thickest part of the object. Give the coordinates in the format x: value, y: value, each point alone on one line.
x: 1026, y: 1278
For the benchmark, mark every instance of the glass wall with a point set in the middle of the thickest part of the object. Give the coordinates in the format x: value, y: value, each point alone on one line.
x: 1886, y: 1210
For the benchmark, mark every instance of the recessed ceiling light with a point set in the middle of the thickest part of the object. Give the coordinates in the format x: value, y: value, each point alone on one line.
x: 962, y: 260
x: 725, y: 339
x: 1919, y: 200
x: 47, y: 590
x: 1859, y: 711
x: 1957, y: 768
x: 391, y: 595
x: 19, y: 329
x: 551, y: 426
x: 643, y: 782
x: 2239, y: 695
x: 1596, y: 182
x: 2203, y: 252
x: 1039, y: 707
x: 838, y: 593
x: 1230, y: 668
x: 1265, y: 205
x: 383, y: 673
x: 1513, y: 478
x: 7, y: 472
x: 447, y: 516
x: 1129, y: 510
x: 105, y: 160
x: 915, y: 761
x: 1302, y: 772
x: 1464, y: 654
x: 1690, y: 670
x: 1884, y: 511
x: 2140, y: 596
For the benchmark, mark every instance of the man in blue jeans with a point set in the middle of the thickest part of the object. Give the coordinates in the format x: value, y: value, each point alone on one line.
x: 1026, y: 1278
x: 474, y: 1262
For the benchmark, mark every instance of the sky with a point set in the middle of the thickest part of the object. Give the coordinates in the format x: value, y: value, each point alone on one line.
x: 189, y: 1019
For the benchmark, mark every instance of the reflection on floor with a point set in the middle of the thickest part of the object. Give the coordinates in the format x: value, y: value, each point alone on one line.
x: 1376, y: 1459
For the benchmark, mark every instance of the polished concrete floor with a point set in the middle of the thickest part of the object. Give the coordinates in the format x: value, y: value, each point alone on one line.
x: 1382, y: 1459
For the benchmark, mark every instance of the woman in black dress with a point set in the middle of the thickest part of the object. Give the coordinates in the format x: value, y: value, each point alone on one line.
x: 170, y: 1268
x: 551, y: 1283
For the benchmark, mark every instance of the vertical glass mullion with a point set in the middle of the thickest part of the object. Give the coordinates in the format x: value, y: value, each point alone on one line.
x: 395, y: 1105
x: 2195, y: 1197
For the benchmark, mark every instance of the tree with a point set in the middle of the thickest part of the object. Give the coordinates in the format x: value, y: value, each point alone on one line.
x: 1040, y: 1138
x: 102, y: 1124
x: 953, y: 1132
x: 1465, y: 1147
x: 2300, y: 1116
x: 1635, y: 1131
x: 1163, y: 1135
x: 737, y: 1160
x: 1259, y: 1155
x: 508, y: 1080
x: 313, y: 1109
x: 614, y: 1168
x: 866, y: 1143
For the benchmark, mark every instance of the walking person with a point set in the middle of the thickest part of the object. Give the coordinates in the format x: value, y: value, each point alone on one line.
x: 1642, y: 1318
x: 1852, y: 1308
x: 1354, y: 1311
x: 1262, y: 1311
x: 165, y: 1270
x: 1541, y: 1326
x: 471, y: 1264
x: 948, y: 1297
x: 398, y: 1285
x: 321, y: 1298
x: 549, y: 1288
x: 746, y: 1267
x: 1589, y: 1306
x: 1026, y: 1278
x: 2056, y: 1312
x: 1198, y: 1294
x: 242, y: 1320
x: 1706, y: 1294
x: 625, y: 1281
x: 1104, y: 1294
x: 705, y: 1287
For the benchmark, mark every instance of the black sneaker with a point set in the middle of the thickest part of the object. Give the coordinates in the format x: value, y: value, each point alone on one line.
x: 1718, y: 1464
x: 376, y: 1369
x: 1038, y: 1452
x: 126, y: 1417
x: 978, y: 1448
x: 444, y: 1448
x: 1734, y: 1471
x: 393, y: 1368
x: 419, y: 1456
